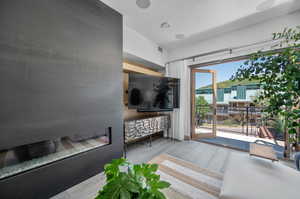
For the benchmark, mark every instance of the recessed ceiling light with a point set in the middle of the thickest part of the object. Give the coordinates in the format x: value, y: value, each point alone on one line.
x: 179, y: 36
x: 165, y: 25
x: 143, y: 3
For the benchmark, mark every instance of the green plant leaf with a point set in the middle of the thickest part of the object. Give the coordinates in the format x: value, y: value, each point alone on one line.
x: 111, y: 190
x: 124, y: 194
x: 132, y: 187
x: 292, y: 131
x: 139, y: 181
x: 295, y: 124
x: 160, y: 195
x: 153, y: 167
x: 163, y: 185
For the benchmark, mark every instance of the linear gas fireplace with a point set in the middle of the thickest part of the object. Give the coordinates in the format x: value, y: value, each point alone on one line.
x: 60, y: 85
x: 24, y: 158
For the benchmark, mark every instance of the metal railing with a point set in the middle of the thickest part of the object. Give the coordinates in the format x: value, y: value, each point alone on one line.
x: 244, y: 120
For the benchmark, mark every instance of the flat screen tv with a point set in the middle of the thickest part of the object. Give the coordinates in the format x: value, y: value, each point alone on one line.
x: 153, y: 94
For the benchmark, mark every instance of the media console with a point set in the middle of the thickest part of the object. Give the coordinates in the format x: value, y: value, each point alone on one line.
x: 135, y: 130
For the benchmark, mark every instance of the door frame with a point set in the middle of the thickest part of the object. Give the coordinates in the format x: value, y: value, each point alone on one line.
x: 193, y: 103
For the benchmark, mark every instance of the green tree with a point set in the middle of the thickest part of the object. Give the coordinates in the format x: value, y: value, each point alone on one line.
x: 202, y: 108
x: 279, y: 74
x: 201, y: 101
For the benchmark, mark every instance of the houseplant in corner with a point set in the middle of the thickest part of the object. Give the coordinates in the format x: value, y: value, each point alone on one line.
x: 127, y: 181
x: 279, y: 74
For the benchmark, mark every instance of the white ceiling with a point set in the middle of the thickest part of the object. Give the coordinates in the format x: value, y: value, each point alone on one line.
x: 197, y: 19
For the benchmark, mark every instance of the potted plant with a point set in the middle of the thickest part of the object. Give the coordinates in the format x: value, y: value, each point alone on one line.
x: 127, y: 181
x: 295, y: 143
x: 279, y: 74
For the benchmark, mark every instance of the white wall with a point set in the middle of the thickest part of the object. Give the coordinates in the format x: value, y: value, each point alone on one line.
x: 255, y: 33
x: 136, y: 44
x: 227, y: 97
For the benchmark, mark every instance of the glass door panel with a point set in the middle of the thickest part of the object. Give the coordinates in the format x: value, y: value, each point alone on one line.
x: 203, y: 103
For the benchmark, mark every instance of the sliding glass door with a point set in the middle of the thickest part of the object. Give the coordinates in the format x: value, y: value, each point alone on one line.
x: 203, y: 96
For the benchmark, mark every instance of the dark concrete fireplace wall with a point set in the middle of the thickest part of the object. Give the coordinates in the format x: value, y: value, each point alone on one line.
x: 60, y: 75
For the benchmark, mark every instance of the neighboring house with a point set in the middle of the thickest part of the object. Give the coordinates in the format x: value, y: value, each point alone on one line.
x: 230, y: 91
x: 234, y: 99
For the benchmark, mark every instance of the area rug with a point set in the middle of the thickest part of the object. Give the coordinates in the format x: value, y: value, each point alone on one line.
x: 239, y: 144
x: 188, y: 181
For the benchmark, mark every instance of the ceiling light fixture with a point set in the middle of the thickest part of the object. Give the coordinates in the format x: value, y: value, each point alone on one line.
x: 165, y: 25
x: 144, y: 4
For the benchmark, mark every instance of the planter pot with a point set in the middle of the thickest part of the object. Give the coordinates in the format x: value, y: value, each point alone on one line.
x: 297, y: 147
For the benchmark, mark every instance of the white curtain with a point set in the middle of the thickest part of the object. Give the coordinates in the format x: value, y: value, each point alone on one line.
x: 180, y: 117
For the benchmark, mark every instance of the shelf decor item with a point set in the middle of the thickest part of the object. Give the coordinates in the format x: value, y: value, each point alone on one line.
x: 127, y: 181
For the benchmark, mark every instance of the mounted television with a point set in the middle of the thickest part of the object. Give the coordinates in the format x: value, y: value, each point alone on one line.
x: 152, y: 94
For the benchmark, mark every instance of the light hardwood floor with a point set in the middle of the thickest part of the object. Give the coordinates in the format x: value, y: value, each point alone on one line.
x: 204, y: 155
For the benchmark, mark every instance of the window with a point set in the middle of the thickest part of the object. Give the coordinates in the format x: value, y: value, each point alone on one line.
x: 220, y: 95
x: 241, y: 92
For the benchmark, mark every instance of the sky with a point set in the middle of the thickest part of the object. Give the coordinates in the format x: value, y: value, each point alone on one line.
x: 224, y: 72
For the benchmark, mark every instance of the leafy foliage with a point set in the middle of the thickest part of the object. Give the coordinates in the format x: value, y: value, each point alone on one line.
x: 135, y: 182
x: 202, y: 108
x: 200, y: 101
x: 278, y: 123
x: 231, y: 122
x: 279, y: 74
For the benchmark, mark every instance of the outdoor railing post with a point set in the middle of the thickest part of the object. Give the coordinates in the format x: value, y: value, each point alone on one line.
x: 247, y: 120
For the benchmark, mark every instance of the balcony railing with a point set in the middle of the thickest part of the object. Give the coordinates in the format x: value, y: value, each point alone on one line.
x: 208, y: 109
x: 245, y: 120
